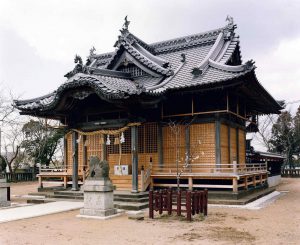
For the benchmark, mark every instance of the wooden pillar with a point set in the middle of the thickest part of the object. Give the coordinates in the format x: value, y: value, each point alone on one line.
x: 190, y: 183
x: 134, y: 152
x: 65, y: 181
x: 246, y: 182
x: 235, y: 185
x: 229, y: 145
x: 103, y: 155
x: 40, y: 182
x: 237, y: 146
x: 75, y: 161
x: 188, y: 146
x: 160, y: 145
x: 65, y: 152
x: 84, y: 152
x: 218, y: 141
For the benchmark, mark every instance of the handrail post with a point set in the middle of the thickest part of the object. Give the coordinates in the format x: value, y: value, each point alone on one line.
x: 234, y: 167
x: 151, y: 216
x: 142, y: 180
x: 205, y: 202
x: 188, y: 206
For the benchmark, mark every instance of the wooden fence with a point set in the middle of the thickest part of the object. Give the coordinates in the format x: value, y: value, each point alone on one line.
x: 293, y: 173
x: 16, y: 177
x: 189, y: 202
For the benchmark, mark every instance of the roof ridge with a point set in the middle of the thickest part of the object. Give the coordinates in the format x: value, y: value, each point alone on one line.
x: 214, y: 31
x: 249, y: 65
x: 171, y: 77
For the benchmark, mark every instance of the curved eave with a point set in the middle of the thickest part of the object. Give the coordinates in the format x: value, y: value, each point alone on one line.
x: 78, y: 81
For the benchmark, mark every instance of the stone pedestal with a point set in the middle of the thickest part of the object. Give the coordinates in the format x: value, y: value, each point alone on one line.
x: 4, y: 199
x: 98, y: 199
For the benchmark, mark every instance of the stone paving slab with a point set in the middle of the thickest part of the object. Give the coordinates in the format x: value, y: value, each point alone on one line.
x: 18, y: 213
x: 255, y: 205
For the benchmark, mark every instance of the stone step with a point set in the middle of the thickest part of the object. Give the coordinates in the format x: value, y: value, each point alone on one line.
x: 65, y: 196
x: 38, y: 194
x: 69, y: 193
x: 123, y: 199
x: 127, y: 194
x: 39, y: 201
x: 130, y: 205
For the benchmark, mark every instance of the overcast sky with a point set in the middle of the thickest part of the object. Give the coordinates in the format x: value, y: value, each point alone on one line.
x: 39, y: 38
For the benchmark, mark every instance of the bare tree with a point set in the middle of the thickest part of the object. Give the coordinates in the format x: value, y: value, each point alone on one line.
x: 182, y: 163
x: 12, y: 141
x: 264, y: 134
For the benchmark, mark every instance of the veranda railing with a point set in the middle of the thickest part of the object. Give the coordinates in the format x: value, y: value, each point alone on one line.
x: 213, y: 169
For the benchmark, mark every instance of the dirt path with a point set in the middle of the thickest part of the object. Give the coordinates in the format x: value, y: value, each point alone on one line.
x: 278, y: 223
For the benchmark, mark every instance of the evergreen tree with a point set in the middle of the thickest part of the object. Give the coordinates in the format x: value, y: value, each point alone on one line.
x: 41, y: 141
x: 285, y: 137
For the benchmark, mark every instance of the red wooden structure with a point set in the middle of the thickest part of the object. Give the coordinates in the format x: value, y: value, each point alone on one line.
x: 194, y: 202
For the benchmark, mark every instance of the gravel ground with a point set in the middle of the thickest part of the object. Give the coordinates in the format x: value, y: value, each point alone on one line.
x: 276, y: 223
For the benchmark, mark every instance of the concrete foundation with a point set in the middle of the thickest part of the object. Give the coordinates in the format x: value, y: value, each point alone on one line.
x: 274, y: 180
x: 98, y: 198
x: 4, y: 199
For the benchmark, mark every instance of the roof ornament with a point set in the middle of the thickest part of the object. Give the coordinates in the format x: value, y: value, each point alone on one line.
x: 249, y: 65
x: 196, y: 71
x: 79, y: 67
x: 126, y: 23
x: 124, y: 29
x: 228, y: 32
x: 183, y: 58
x: 124, y: 32
x: 92, y: 51
x: 230, y: 20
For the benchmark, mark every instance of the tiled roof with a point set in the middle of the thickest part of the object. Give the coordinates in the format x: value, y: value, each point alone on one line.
x: 141, y: 55
x: 185, y: 62
x: 105, y: 86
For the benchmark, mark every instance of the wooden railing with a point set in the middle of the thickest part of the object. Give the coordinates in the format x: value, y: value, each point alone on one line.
x: 52, y: 170
x: 189, y: 202
x: 11, y: 177
x: 145, y: 178
x: 213, y: 169
x: 290, y: 172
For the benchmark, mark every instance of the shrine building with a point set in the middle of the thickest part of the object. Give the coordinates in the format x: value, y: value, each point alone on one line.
x: 176, y: 109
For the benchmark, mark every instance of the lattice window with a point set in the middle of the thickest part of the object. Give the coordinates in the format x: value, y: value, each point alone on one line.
x: 133, y: 70
x: 170, y: 146
x: 94, y: 145
x: 147, y: 138
x: 114, y: 148
x: 202, y: 143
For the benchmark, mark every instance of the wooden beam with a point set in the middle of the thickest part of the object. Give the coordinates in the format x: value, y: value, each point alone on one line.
x: 75, y: 161
x: 134, y: 152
